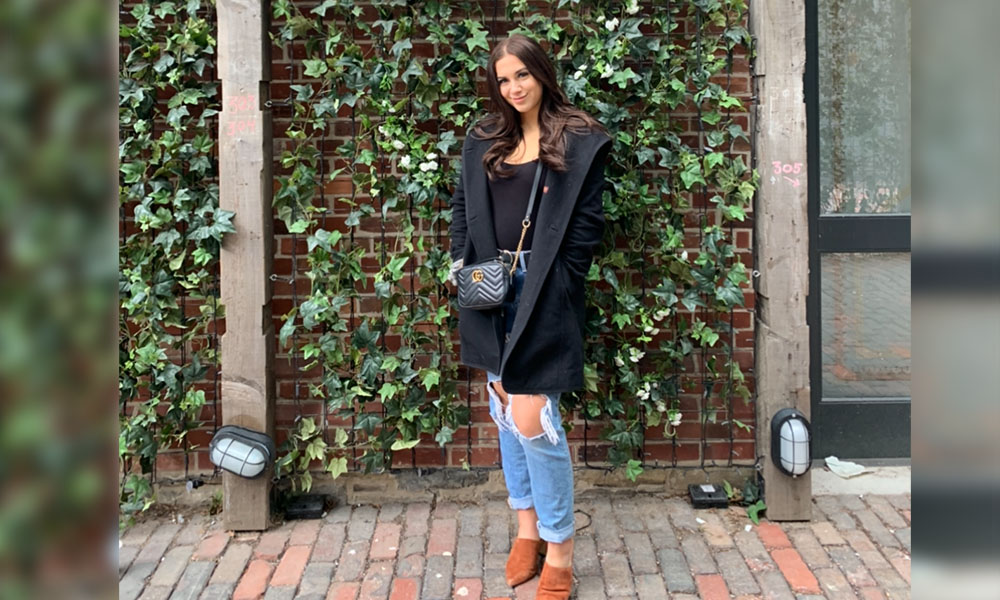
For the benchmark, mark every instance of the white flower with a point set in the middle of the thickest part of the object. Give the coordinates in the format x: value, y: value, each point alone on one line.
x: 661, y: 314
x: 405, y: 162
x: 382, y: 130
x: 684, y: 255
x: 600, y: 18
x: 432, y: 156
x: 428, y: 166
x: 578, y: 75
x: 398, y: 145
x: 618, y: 361
x: 633, y: 7
x: 612, y: 24
x: 648, y: 329
x: 660, y: 406
x: 675, y: 417
x: 634, y: 354
x: 607, y: 72
x: 643, y: 394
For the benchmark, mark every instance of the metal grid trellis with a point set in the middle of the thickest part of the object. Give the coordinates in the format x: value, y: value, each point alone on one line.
x: 706, y: 382
x: 210, y: 413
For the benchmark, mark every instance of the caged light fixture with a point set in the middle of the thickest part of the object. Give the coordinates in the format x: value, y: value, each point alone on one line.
x: 242, y: 451
x: 791, y: 442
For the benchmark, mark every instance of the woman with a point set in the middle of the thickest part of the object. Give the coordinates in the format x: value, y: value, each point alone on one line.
x: 532, y: 347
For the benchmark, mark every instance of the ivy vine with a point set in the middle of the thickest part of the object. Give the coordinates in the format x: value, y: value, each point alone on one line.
x: 171, y: 228
x: 657, y: 329
x: 659, y: 324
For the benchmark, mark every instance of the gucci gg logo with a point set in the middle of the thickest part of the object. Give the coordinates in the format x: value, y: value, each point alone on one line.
x: 477, y: 275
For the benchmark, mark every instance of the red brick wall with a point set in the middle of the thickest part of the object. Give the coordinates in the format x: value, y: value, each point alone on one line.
x: 478, y: 443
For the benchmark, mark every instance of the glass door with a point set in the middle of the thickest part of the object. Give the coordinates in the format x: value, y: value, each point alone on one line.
x: 858, y: 112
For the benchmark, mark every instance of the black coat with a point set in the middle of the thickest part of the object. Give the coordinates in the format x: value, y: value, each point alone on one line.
x: 545, y: 352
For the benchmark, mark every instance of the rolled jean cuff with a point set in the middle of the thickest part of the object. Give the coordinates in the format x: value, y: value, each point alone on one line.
x: 556, y: 536
x: 520, y: 503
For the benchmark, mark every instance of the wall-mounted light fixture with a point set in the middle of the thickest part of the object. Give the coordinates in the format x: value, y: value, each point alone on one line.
x: 791, y: 442
x: 242, y: 451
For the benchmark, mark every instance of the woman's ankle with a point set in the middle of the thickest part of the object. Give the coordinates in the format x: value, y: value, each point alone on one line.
x: 560, y: 555
x: 527, y: 524
x: 563, y: 563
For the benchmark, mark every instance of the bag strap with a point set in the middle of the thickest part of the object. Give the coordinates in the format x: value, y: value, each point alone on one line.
x: 527, y: 216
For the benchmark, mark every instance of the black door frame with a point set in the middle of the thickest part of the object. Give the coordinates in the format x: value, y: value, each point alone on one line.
x: 845, y: 427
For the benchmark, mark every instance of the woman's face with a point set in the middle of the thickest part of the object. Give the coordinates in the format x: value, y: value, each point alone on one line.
x: 517, y: 85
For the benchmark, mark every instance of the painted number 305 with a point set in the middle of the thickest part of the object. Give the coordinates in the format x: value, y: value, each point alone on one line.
x: 786, y: 168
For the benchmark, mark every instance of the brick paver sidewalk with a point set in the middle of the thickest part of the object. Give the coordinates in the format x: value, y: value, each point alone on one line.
x: 641, y: 546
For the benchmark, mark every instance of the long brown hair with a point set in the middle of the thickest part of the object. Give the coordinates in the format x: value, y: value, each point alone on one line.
x: 555, y: 114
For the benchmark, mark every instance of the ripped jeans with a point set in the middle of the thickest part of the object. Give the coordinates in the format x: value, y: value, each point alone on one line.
x: 537, y: 469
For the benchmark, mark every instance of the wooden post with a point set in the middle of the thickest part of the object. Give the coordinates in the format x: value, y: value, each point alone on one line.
x: 782, y: 241
x: 245, y: 187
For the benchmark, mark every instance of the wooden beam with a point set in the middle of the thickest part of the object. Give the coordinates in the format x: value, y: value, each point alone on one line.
x: 782, y: 241
x: 245, y: 187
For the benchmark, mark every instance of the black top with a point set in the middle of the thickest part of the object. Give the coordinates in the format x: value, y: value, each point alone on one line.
x: 509, y: 199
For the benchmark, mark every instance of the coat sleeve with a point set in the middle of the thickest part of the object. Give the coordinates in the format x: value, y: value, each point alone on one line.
x: 458, y: 230
x: 586, y: 225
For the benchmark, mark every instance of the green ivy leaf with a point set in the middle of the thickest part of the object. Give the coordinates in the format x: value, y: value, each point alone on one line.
x: 691, y: 174
x: 633, y: 470
x: 712, y: 117
x: 178, y: 261
x: 444, y: 436
x: 316, y: 450
x: 391, y: 363
x: 315, y: 67
x: 367, y: 422
x: 728, y: 101
x: 713, y: 159
x: 754, y: 510
x: 338, y: 466
x: 430, y: 378
x: 340, y: 437
x: 287, y: 328
x: 404, y: 445
x: 477, y: 39
x: 623, y: 78
x: 325, y: 6
x: 729, y: 294
x: 387, y: 391
x: 734, y: 212
x: 396, y: 265
x: 307, y: 428
x: 590, y: 377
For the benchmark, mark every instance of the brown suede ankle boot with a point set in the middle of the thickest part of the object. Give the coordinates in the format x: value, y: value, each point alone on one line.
x: 522, y: 564
x: 555, y: 583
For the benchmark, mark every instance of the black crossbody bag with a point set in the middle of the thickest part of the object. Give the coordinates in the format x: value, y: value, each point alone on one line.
x: 486, y: 284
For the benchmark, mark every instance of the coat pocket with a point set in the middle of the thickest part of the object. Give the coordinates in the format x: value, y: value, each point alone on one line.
x: 567, y: 296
